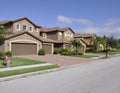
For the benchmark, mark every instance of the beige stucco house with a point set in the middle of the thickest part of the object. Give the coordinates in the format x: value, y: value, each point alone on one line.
x: 25, y: 38
x: 62, y: 36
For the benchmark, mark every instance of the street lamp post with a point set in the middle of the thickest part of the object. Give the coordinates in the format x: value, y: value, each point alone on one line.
x: 106, y: 51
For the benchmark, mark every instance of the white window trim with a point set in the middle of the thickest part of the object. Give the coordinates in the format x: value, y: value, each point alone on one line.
x: 16, y: 26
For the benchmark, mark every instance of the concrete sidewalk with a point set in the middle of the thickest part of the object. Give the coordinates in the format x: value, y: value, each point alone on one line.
x: 23, y: 67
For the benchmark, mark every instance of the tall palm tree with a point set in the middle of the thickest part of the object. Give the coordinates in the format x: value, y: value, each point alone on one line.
x: 97, y: 41
x: 76, y: 44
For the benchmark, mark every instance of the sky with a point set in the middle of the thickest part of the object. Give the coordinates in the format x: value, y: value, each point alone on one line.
x: 101, y: 17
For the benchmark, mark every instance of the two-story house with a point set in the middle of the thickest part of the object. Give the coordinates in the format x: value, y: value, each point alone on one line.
x: 25, y: 38
x: 62, y: 36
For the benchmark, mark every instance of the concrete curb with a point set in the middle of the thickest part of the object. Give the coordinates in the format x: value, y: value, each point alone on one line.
x: 37, y: 73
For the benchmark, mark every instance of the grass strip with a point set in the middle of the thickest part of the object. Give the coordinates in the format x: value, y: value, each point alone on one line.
x: 15, y: 61
x: 27, y: 70
x: 85, y: 56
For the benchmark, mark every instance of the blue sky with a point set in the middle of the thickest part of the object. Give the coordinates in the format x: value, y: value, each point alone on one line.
x: 83, y: 16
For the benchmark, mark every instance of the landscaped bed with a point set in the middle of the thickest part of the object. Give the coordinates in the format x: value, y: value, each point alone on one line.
x: 26, y: 70
x: 20, y: 62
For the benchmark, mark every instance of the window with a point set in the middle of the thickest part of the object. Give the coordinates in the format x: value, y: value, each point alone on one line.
x: 44, y: 35
x: 31, y: 28
x: 17, y: 26
x: 24, y: 27
x: 60, y: 33
x: 36, y: 29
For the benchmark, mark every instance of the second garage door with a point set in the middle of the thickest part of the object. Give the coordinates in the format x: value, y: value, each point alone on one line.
x: 47, y: 48
x: 24, y: 48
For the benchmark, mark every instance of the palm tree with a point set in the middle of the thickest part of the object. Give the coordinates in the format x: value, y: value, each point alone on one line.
x: 97, y: 41
x: 76, y: 44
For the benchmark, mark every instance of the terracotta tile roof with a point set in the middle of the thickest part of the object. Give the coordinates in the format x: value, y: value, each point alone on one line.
x: 88, y: 35
x: 37, y: 37
x: 7, y: 21
x: 44, y: 29
x: 76, y: 35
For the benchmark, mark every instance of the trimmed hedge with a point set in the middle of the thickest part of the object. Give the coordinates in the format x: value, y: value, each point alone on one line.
x: 41, y: 52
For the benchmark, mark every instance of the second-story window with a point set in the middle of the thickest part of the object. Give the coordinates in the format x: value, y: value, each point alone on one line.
x: 31, y: 28
x: 44, y: 35
x: 36, y: 29
x: 24, y: 27
x: 17, y: 26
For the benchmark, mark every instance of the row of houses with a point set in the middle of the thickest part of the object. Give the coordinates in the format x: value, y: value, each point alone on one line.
x: 27, y: 38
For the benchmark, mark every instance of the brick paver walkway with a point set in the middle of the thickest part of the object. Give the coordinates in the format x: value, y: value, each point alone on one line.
x: 58, y: 59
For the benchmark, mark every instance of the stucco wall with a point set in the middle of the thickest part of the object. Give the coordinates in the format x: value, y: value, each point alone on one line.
x: 28, y: 24
x: 25, y: 38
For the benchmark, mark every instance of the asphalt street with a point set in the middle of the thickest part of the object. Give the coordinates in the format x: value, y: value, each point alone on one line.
x: 102, y: 76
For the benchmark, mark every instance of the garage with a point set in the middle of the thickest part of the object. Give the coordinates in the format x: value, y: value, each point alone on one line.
x: 47, y: 48
x: 24, y: 48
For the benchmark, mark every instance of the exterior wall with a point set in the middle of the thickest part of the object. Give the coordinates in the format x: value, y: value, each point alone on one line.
x: 53, y: 35
x: 83, y: 47
x: 68, y: 35
x: 9, y: 27
x: 68, y: 47
x: 88, y: 40
x: 22, y: 38
x: 58, y: 46
x: 28, y: 24
x: 60, y: 36
x: 2, y: 48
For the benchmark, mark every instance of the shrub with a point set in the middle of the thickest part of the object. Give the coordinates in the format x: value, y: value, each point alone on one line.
x: 8, y: 53
x: 56, y: 51
x: 41, y: 52
x: 72, y: 53
x: 1, y: 54
x: 64, y: 52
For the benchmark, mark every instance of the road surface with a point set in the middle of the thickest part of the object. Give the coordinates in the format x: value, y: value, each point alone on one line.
x: 102, y: 76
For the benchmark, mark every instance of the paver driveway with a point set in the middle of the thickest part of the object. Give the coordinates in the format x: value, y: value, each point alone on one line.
x: 58, y: 59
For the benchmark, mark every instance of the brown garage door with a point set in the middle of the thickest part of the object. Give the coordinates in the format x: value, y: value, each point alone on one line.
x: 24, y: 48
x: 47, y: 48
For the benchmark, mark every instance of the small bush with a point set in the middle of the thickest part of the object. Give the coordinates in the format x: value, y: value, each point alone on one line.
x: 56, y: 51
x: 8, y: 53
x: 64, y: 53
x: 72, y: 53
x: 41, y: 52
x: 1, y: 54
x: 64, y: 50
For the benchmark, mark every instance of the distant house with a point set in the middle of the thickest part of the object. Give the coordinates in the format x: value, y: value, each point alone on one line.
x: 79, y: 37
x: 62, y: 36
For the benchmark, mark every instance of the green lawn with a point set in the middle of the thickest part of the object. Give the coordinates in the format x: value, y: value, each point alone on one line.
x: 20, y: 62
x: 84, y: 56
x: 27, y: 70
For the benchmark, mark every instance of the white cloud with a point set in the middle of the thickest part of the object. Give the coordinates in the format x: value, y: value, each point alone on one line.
x: 67, y: 20
x: 109, y: 28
